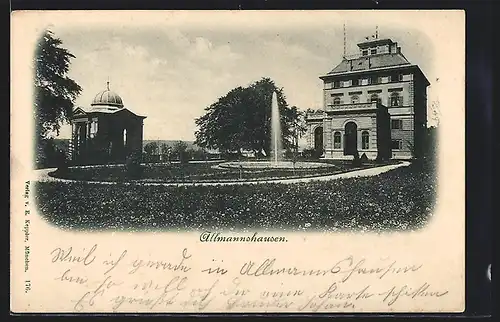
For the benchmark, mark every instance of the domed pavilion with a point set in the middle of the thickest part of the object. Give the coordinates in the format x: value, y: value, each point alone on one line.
x: 107, y: 132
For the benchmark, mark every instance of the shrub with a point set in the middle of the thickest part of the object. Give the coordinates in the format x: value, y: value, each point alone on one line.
x: 364, y: 159
x: 45, y: 153
x: 312, y: 154
x: 133, y: 166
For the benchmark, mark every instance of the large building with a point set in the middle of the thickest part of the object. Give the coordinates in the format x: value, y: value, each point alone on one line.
x: 107, y: 132
x: 375, y: 103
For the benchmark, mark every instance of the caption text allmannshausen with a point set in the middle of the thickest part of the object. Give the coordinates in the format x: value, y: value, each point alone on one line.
x: 210, y: 237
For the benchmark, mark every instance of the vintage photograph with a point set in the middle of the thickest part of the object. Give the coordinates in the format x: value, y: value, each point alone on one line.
x: 323, y: 128
x: 238, y: 161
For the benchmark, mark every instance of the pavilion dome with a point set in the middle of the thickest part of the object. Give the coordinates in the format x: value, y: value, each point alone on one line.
x: 107, y: 98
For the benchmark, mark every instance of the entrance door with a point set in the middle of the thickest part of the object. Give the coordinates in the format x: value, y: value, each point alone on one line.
x: 318, y: 139
x: 351, y: 139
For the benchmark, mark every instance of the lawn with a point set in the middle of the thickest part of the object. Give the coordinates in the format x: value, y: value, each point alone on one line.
x: 198, y: 172
x: 400, y: 199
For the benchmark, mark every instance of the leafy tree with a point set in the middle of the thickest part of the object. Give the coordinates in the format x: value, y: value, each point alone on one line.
x: 298, y: 126
x: 241, y: 120
x: 179, y: 150
x: 55, y: 92
x: 196, y: 153
x: 151, y: 149
x: 431, y: 143
x: 165, y: 151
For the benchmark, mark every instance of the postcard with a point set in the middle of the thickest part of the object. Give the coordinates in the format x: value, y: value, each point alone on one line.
x: 237, y: 161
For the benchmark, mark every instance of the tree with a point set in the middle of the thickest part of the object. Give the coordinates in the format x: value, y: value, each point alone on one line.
x: 241, y: 120
x: 299, y: 126
x: 434, y: 113
x: 165, y: 152
x: 179, y: 150
x: 55, y: 92
x: 151, y: 150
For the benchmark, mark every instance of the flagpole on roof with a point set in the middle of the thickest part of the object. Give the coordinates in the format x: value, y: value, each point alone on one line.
x: 344, y: 42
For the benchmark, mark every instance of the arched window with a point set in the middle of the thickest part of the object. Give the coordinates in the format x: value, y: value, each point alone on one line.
x: 318, y: 139
x: 336, y: 140
x: 355, y: 99
x: 365, y: 140
x: 336, y: 101
x: 395, y: 99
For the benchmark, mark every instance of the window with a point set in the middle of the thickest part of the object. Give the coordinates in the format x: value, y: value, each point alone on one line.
x: 397, y: 144
x: 373, y: 51
x: 396, y: 100
x: 355, y: 99
x: 364, y: 81
x: 336, y: 101
x: 125, y: 137
x: 93, y: 128
x: 365, y: 140
x: 346, y: 83
x: 375, y: 98
x: 365, y: 52
x: 336, y: 140
x: 355, y: 82
x: 374, y: 80
x: 397, y: 124
x: 328, y: 85
x: 336, y: 84
x: 396, y: 78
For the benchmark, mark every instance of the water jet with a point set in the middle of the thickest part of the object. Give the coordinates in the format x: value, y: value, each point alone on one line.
x: 276, y: 139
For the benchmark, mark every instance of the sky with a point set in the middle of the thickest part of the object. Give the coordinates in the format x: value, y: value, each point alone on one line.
x: 171, y: 69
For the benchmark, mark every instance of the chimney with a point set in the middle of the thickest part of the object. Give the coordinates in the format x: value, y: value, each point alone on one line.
x: 399, y: 50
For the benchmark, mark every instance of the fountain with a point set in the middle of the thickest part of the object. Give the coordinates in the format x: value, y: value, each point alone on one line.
x: 275, y: 161
x: 276, y: 143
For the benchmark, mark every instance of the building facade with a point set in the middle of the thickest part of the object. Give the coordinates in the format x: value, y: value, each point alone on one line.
x: 105, y: 133
x: 375, y: 103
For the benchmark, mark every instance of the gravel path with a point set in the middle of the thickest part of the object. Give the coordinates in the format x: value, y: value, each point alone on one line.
x: 42, y: 175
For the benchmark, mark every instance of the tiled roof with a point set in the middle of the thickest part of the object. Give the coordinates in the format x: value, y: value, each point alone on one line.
x: 375, y: 61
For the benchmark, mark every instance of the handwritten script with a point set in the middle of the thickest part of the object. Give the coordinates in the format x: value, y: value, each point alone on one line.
x: 122, y: 281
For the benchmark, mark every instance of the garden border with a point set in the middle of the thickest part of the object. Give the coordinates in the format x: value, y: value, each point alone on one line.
x: 42, y: 175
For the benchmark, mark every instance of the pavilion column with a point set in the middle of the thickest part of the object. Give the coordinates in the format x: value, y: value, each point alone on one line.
x: 74, y: 142
x: 87, y: 132
x: 79, y: 138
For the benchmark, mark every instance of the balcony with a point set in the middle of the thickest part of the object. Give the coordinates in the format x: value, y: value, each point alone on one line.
x: 353, y: 107
x: 316, y: 115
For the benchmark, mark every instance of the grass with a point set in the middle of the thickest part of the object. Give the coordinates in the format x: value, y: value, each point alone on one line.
x: 401, y: 199
x: 196, y: 172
